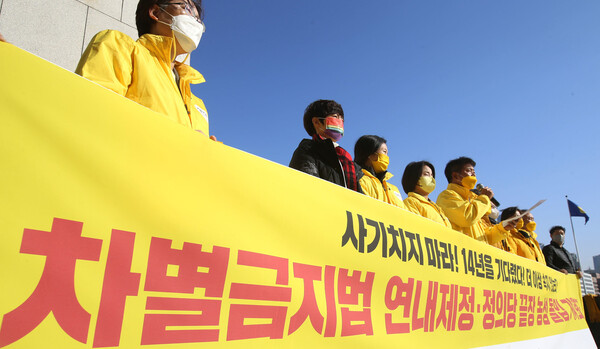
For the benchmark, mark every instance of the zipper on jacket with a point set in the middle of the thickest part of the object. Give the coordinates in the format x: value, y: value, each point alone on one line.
x: 343, y: 174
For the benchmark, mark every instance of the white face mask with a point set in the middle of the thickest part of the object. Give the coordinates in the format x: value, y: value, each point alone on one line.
x: 188, y: 31
x: 495, y: 213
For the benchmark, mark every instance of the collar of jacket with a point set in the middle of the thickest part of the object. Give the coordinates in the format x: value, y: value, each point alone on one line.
x: 324, y: 147
x: 418, y: 197
x: 524, y: 233
x: 465, y: 193
x: 532, y: 234
x: 386, y: 177
x: 161, y: 47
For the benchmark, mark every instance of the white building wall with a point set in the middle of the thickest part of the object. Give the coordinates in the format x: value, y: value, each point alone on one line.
x: 60, y: 30
x: 588, y: 288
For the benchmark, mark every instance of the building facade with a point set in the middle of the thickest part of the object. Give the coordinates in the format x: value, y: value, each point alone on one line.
x: 597, y: 263
x: 60, y: 30
x: 587, y: 284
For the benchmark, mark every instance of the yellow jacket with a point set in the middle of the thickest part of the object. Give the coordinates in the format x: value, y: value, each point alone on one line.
x: 525, y: 246
x: 468, y: 212
x: 141, y: 71
x: 418, y: 204
x: 385, y: 191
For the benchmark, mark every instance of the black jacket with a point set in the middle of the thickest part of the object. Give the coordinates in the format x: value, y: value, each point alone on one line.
x: 558, y: 258
x: 318, y: 158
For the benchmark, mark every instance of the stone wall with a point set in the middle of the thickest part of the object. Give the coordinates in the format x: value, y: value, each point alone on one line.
x: 60, y: 30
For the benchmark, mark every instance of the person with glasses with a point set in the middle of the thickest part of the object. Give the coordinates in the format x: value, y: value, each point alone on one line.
x: 146, y: 70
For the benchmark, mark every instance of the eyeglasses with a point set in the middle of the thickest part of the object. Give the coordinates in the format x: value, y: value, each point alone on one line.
x: 186, y: 7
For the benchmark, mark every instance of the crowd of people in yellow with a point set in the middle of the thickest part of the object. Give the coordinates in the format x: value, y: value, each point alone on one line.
x: 146, y: 71
x: 462, y: 206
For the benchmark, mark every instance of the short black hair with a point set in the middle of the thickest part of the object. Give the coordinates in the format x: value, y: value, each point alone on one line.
x: 365, y: 146
x: 412, y: 173
x: 557, y: 227
x: 509, y: 212
x: 456, y: 165
x: 320, y: 109
x: 144, y: 23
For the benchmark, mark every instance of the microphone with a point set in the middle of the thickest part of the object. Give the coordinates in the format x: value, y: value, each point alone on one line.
x: 493, y: 200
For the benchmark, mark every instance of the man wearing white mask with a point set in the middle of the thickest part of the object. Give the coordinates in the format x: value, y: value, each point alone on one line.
x: 557, y: 257
x: 145, y: 70
x: 467, y: 211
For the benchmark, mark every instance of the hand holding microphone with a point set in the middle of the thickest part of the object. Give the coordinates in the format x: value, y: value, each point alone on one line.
x: 488, y: 192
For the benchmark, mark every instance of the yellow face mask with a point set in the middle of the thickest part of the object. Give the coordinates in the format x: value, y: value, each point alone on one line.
x: 531, y: 226
x: 381, y: 164
x: 427, y: 183
x: 469, y: 182
x: 519, y: 224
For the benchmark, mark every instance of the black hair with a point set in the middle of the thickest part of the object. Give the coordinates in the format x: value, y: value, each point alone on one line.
x: 412, y: 173
x: 144, y: 23
x: 508, y: 212
x: 456, y: 165
x: 366, y: 146
x: 320, y: 109
x: 557, y: 227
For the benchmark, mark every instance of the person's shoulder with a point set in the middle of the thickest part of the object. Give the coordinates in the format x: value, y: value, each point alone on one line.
x: 302, y: 151
x: 306, y: 144
x: 448, y: 192
x: 112, y: 37
x: 410, y: 199
x: 359, y: 171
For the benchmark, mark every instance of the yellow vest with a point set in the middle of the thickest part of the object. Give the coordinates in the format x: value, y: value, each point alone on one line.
x: 141, y: 71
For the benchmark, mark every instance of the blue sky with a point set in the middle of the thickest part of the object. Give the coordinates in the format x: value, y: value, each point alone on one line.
x: 513, y: 84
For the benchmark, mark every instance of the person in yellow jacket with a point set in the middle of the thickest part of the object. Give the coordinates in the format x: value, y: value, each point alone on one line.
x: 468, y: 212
x: 371, y: 153
x: 529, y: 226
x: 522, y: 239
x: 145, y: 70
x: 418, y: 181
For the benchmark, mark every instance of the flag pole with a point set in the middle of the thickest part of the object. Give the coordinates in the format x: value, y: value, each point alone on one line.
x: 575, y: 240
x: 573, y: 230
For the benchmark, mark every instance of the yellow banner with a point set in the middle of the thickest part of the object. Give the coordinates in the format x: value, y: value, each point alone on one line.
x: 123, y: 229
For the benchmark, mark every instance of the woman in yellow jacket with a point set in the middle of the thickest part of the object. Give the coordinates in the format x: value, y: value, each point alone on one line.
x: 371, y: 153
x: 418, y: 181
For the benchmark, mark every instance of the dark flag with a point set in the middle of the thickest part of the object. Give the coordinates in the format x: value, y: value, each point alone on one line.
x: 576, y: 211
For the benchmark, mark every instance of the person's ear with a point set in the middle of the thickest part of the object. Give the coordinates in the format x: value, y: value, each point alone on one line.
x: 316, y: 124
x: 455, y: 176
x: 153, y: 12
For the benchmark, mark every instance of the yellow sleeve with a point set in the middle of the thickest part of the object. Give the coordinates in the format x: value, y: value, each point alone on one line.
x: 107, y: 61
x: 461, y: 212
x: 496, y: 233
